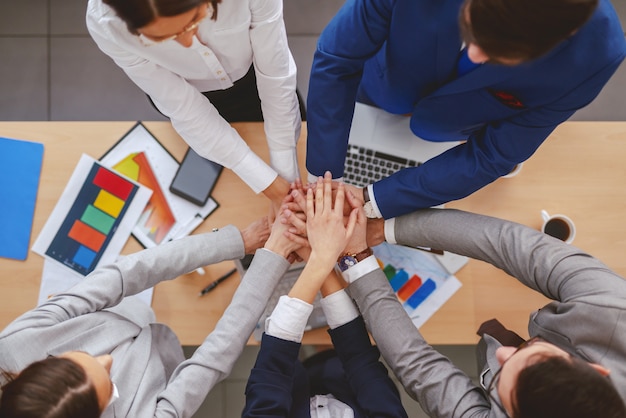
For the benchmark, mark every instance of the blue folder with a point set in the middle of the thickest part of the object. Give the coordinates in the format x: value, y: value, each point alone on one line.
x: 20, y: 169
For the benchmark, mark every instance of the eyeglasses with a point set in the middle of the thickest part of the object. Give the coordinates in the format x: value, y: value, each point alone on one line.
x: 148, y: 41
x: 495, y: 380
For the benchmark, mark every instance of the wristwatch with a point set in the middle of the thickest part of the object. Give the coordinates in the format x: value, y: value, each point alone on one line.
x: 348, y: 260
x: 367, y: 206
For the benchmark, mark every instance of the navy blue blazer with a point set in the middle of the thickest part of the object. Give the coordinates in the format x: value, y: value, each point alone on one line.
x: 276, y: 389
x: 401, y: 55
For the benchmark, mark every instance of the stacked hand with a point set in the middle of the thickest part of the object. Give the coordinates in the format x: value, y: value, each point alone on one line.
x: 327, y: 233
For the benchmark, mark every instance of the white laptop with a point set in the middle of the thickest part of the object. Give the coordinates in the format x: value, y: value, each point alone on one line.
x: 381, y: 139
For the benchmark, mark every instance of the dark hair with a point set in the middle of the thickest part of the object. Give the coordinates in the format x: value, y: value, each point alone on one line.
x: 52, y: 388
x: 139, y: 13
x: 565, y: 387
x: 522, y: 29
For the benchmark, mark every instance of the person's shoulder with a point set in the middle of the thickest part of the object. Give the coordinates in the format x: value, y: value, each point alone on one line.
x: 101, y: 19
x: 605, y: 22
x: 599, y: 42
x: 98, y: 10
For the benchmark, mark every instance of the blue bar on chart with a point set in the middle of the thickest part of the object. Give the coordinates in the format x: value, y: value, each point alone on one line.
x: 422, y: 293
x: 399, y: 279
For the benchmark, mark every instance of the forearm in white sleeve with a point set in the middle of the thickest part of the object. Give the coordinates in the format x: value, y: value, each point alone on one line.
x: 338, y: 309
x: 288, y: 319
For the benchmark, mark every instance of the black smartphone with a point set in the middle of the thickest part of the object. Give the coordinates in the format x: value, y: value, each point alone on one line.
x: 195, y: 178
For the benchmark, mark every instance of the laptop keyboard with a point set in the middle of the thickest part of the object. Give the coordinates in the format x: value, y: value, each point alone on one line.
x: 365, y: 166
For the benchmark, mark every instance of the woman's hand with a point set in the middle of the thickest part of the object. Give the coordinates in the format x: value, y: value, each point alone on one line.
x: 326, y: 231
x: 358, y: 240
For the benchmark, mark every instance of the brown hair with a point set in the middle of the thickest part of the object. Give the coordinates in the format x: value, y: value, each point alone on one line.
x: 565, y: 387
x: 52, y: 388
x: 522, y: 29
x: 139, y: 13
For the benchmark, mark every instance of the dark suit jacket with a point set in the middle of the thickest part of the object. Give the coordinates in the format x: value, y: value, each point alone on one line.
x: 275, y: 387
x: 401, y: 55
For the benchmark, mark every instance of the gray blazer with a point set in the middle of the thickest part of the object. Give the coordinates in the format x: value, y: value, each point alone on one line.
x: 587, y: 316
x: 149, y: 369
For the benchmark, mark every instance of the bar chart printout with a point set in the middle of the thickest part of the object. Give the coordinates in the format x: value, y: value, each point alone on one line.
x: 85, y: 222
x: 420, y: 282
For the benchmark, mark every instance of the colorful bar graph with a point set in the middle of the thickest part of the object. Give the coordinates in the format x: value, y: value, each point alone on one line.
x: 422, y: 293
x: 399, y: 279
x: 92, y: 219
x: 409, y: 287
x: 411, y: 291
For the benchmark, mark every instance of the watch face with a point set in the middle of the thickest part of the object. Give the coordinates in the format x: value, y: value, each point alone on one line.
x: 346, y: 262
x: 369, y: 210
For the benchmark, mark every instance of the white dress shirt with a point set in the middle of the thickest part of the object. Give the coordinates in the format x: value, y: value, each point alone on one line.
x: 246, y: 32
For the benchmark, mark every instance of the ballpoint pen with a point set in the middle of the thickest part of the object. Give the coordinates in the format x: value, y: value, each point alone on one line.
x: 214, y: 284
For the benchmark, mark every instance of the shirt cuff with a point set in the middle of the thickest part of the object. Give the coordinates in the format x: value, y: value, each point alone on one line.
x: 285, y: 162
x: 255, y: 172
x: 288, y: 319
x: 390, y: 230
x: 370, y: 191
x: 360, y: 269
x: 338, y: 309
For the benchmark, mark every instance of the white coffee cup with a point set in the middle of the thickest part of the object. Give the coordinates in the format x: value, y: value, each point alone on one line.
x: 514, y: 172
x: 558, y: 226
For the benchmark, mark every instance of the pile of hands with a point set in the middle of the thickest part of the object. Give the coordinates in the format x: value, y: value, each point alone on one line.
x: 323, y: 221
x: 316, y: 223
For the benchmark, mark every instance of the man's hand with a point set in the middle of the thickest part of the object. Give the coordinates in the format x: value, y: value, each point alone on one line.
x: 375, y: 231
x: 255, y: 235
x: 356, y: 191
x: 358, y: 241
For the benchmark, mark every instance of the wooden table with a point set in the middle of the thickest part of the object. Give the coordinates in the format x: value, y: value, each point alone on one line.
x: 578, y: 171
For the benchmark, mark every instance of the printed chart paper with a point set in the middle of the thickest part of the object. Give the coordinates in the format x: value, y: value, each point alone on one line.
x: 421, y: 283
x: 93, y: 218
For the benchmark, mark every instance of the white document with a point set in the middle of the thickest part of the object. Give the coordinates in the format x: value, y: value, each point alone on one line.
x: 87, y: 215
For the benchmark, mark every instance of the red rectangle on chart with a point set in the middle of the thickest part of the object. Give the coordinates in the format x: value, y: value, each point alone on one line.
x: 113, y: 183
x: 87, y: 236
x: 405, y: 292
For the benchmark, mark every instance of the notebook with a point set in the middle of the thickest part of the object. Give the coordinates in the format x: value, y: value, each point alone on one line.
x: 20, y: 169
x: 317, y: 318
x: 381, y: 143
